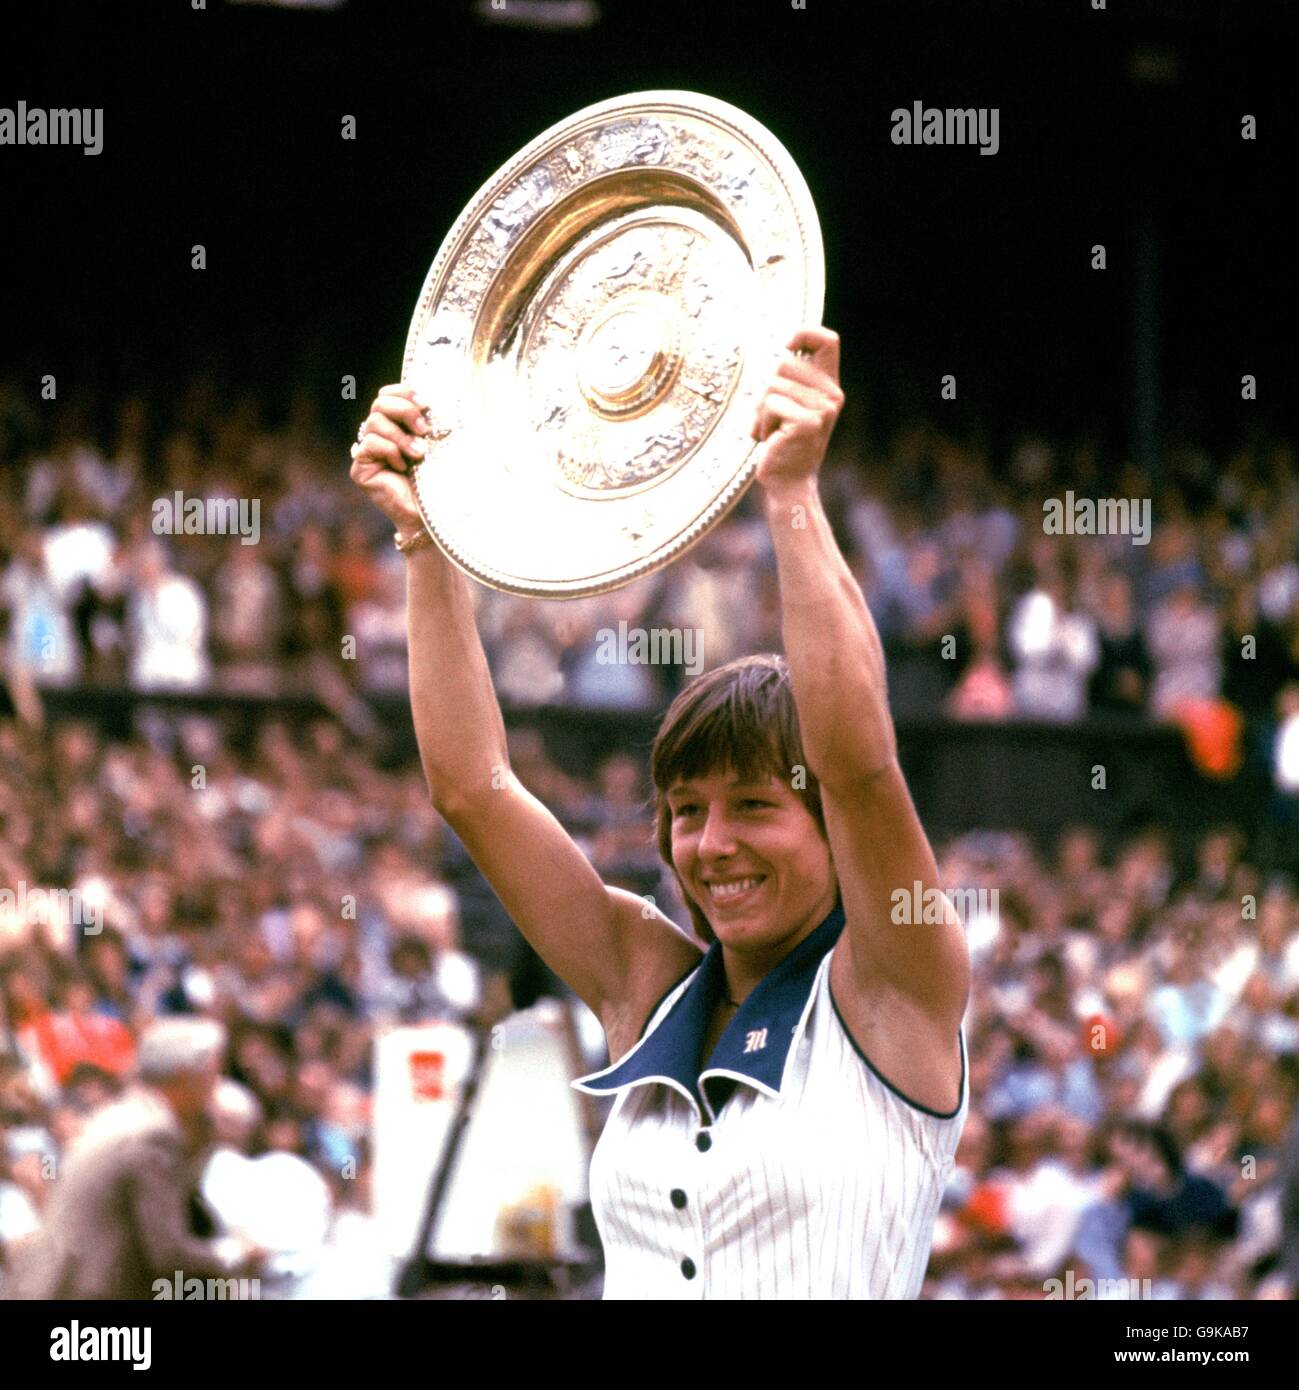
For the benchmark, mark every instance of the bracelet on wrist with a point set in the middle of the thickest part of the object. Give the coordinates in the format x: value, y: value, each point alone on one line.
x: 411, y: 540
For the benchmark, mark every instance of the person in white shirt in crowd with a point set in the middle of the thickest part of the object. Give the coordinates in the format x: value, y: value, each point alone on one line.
x: 79, y: 547
x: 1285, y: 765
x: 1184, y: 636
x: 42, y: 644
x: 1055, y: 651
x: 20, y: 1218
x: 167, y: 621
x: 1051, y: 1189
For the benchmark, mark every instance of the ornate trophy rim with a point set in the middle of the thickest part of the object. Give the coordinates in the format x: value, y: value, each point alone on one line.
x: 748, y: 134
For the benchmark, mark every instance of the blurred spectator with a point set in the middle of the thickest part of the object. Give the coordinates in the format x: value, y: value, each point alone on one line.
x: 314, y: 600
x: 1183, y: 633
x: 119, y: 1218
x: 983, y: 690
x: 1251, y: 681
x: 598, y: 671
x: 526, y: 669
x: 1055, y: 652
x: 167, y: 622
x: 1146, y: 1187
x: 709, y: 589
x: 57, y: 1042
x: 1119, y: 684
x: 1286, y: 765
x: 1278, y: 560
x: 41, y: 636
x: 1289, y: 1205
x: 249, y: 621
x: 19, y: 1216
x: 377, y: 620
x: 624, y: 841
x: 415, y: 989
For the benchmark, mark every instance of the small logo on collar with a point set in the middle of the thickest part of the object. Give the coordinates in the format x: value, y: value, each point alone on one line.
x: 670, y: 1052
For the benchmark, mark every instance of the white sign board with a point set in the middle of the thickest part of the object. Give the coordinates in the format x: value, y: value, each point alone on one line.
x: 525, y: 1132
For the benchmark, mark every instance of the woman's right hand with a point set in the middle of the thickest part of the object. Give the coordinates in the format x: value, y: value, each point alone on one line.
x: 394, y: 432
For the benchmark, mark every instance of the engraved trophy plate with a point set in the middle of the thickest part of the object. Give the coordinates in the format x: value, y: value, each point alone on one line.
x: 594, y: 336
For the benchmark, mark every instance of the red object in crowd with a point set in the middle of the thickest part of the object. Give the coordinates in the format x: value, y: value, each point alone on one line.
x: 1100, y: 1035
x: 987, y: 1209
x: 1213, y: 730
x: 63, y: 1040
x: 356, y: 576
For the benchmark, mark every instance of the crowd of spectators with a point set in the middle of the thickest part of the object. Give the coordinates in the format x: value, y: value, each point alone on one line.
x: 1133, y: 1034
x: 1134, y: 1067
x: 1134, y: 1029
x: 986, y: 612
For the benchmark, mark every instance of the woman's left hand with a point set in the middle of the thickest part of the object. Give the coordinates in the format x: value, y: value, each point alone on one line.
x: 798, y: 412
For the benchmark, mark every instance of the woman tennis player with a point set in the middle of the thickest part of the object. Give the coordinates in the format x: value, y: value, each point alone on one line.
x: 789, y: 1100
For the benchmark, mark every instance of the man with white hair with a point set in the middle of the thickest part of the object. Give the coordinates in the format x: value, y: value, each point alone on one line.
x: 118, y: 1219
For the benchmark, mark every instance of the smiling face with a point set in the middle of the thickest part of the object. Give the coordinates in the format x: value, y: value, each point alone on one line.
x: 735, y: 799
x: 751, y: 857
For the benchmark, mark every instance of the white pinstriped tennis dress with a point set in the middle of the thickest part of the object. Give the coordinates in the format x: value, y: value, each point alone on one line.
x: 803, y: 1174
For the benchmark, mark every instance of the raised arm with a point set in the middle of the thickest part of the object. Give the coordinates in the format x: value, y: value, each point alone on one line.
x: 605, y: 943
x: 836, y: 666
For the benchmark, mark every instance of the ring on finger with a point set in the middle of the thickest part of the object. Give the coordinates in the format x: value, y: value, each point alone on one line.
x: 361, y: 431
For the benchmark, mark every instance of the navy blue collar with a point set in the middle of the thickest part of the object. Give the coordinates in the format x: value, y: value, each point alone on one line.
x: 757, y: 1041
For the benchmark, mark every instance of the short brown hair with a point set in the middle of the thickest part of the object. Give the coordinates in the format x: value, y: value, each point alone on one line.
x: 742, y: 717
